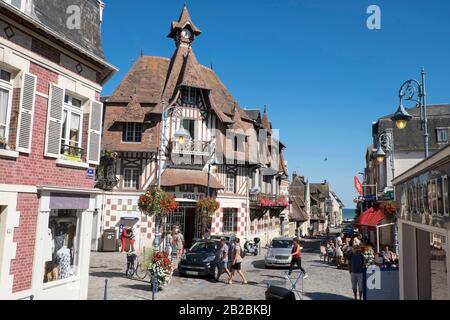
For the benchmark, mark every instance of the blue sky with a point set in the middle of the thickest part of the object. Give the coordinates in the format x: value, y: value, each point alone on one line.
x: 323, y: 74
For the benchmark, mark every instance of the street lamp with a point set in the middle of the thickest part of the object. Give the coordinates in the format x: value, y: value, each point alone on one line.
x: 181, y: 135
x: 413, y: 90
x: 213, y: 162
x: 380, y: 155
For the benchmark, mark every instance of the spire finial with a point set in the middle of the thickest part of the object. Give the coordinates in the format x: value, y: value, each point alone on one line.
x: 265, y: 108
x: 142, y: 52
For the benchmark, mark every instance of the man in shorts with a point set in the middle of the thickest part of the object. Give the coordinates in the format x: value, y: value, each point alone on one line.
x: 356, y: 268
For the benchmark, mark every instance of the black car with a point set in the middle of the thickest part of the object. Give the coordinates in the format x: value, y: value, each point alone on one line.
x: 202, y: 259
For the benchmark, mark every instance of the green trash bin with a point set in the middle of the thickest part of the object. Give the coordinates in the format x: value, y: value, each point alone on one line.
x: 109, y: 240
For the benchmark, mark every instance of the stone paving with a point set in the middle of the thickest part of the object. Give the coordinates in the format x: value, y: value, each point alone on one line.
x: 325, y: 282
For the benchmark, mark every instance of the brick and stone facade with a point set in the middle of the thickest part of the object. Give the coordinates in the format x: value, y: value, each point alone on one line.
x: 36, y: 176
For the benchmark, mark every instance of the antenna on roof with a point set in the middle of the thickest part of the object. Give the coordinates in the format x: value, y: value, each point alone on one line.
x: 142, y: 52
x: 212, y: 67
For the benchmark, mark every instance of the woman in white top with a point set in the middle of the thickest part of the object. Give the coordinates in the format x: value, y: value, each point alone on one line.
x: 236, y: 262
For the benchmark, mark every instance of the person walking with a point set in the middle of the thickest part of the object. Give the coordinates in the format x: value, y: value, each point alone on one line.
x: 131, y: 238
x: 237, y: 262
x: 179, y: 241
x: 223, y: 259
x: 123, y: 239
x: 169, y: 244
x: 356, y: 269
x: 296, y: 260
x: 207, y: 234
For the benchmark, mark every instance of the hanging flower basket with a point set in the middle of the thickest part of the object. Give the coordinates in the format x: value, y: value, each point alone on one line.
x: 282, y: 202
x: 157, y: 201
x: 207, y: 206
x: 389, y: 210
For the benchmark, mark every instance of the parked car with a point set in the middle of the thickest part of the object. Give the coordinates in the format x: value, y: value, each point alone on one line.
x: 202, y: 259
x: 279, y: 252
x: 228, y: 237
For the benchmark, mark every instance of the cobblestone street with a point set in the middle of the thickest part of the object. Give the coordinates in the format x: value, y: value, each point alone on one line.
x: 325, y: 282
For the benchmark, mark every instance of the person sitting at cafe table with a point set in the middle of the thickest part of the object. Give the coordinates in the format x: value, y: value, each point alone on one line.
x: 389, y: 257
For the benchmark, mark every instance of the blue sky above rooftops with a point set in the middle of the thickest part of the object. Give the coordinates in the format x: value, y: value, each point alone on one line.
x: 322, y: 73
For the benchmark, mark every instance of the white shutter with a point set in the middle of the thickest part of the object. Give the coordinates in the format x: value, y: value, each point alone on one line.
x: 54, y: 122
x: 95, y: 133
x: 26, y: 114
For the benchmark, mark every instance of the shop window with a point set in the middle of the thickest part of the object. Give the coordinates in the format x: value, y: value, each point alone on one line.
x: 5, y: 103
x: 132, y: 132
x: 131, y: 178
x: 445, y: 195
x: 71, y: 133
x: 62, y: 244
x: 231, y: 183
x: 438, y: 272
x: 439, y: 197
x: 19, y: 4
x: 230, y: 222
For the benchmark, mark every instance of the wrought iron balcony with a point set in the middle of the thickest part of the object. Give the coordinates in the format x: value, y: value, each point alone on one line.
x: 191, y: 147
x: 72, y: 153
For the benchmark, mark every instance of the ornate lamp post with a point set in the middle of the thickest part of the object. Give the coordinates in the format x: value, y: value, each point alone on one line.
x: 413, y: 90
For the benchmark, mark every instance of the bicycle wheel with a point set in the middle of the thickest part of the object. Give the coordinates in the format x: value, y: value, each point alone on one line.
x: 130, y: 271
x: 141, y: 271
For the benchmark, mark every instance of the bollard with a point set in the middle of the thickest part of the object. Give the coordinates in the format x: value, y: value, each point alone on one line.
x: 154, y: 287
x: 105, y: 295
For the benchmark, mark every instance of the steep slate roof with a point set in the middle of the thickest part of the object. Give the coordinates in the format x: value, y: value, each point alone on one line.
x: 319, y: 190
x: 411, y: 138
x: 50, y: 18
x: 297, y: 197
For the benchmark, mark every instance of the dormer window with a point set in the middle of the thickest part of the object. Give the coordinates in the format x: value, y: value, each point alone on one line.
x: 189, y: 95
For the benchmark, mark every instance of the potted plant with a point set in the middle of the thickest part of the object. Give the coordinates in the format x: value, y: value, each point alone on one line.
x: 3, y: 143
x: 157, y: 201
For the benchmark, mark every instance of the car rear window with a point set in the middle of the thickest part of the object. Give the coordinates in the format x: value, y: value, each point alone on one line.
x: 282, y: 244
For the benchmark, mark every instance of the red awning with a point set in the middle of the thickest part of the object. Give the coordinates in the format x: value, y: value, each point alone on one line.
x: 370, y: 218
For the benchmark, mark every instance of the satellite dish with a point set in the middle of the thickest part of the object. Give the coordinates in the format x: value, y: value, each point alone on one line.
x: 255, y: 190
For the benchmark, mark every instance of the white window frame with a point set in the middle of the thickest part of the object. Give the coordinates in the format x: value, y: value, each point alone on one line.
x: 438, y: 136
x: 75, y: 110
x: 134, y: 173
x: 231, y: 177
x: 233, y: 212
x: 125, y: 135
x: 7, y: 86
x: 22, y: 4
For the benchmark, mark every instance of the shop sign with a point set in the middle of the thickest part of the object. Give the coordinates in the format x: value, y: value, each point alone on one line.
x: 358, y: 186
x: 370, y: 198
x: 189, y: 196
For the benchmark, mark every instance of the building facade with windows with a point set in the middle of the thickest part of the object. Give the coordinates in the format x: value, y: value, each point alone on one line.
x: 245, y: 183
x: 423, y: 214
x: 50, y: 141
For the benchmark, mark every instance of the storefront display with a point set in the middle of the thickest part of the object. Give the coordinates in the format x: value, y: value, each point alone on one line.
x: 61, y: 245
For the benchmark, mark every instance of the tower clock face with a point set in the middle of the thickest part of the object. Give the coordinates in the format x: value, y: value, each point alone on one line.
x: 186, y: 34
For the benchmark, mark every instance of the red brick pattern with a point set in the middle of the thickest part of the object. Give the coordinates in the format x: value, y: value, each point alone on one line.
x: 35, y: 169
x: 44, y: 77
x: 24, y: 236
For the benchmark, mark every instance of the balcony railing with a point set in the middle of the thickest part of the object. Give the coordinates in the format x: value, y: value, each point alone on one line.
x: 268, y: 201
x: 192, y: 147
x: 72, y: 153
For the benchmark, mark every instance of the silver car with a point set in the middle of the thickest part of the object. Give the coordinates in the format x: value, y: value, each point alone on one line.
x: 279, y: 252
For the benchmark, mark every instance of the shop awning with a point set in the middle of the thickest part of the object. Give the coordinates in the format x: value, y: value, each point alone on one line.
x: 176, y: 177
x: 371, y: 217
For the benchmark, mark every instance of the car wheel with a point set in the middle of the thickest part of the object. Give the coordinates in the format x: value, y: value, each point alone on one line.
x: 216, y: 273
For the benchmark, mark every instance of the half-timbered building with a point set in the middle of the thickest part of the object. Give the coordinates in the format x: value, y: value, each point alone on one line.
x: 158, y: 98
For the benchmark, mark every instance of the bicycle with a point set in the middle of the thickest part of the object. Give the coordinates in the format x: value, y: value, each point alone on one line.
x: 135, y: 266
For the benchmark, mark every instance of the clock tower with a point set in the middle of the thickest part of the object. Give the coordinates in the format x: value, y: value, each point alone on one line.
x: 184, y: 30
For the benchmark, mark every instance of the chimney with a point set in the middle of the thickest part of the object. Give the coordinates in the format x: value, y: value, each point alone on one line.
x: 294, y: 175
x: 325, y: 181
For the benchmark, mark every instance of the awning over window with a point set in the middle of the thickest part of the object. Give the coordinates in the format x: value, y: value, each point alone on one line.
x: 176, y: 177
x: 371, y: 218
